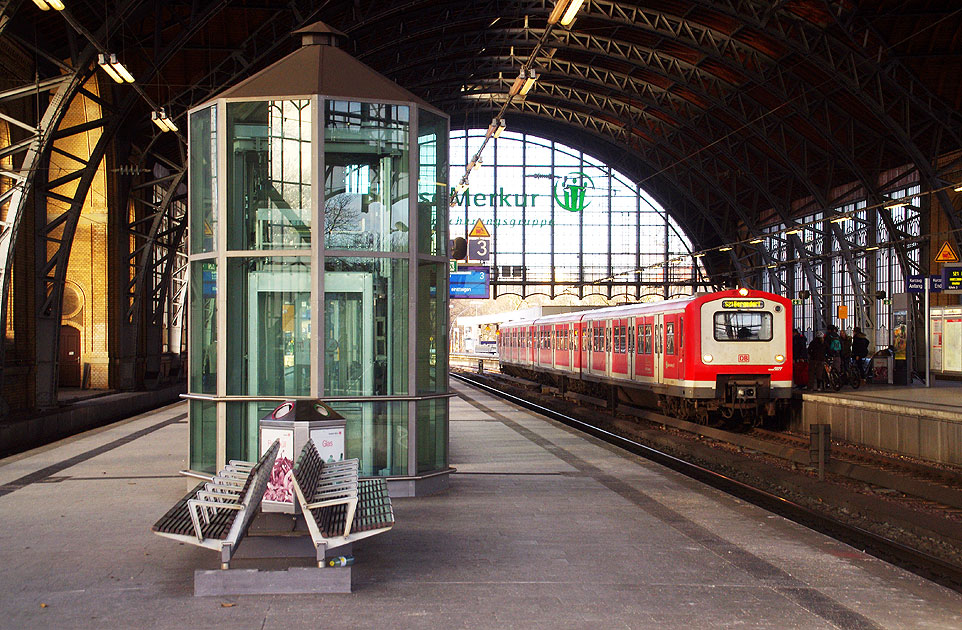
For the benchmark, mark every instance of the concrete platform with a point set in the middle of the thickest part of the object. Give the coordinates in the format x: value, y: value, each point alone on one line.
x: 917, y: 421
x: 541, y: 528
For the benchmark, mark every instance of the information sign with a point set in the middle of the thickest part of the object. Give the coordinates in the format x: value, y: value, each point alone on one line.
x: 479, y: 249
x: 951, y: 279
x: 915, y: 284
x: 935, y: 284
x: 479, y: 231
x: 946, y: 254
x: 470, y: 283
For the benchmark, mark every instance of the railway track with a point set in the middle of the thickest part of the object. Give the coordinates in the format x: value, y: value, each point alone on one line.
x: 909, y: 557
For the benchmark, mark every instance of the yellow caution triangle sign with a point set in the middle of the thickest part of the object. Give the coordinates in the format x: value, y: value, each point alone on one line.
x: 947, y: 254
x: 479, y: 231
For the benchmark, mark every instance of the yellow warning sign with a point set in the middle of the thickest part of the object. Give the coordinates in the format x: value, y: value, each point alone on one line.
x: 479, y: 231
x: 947, y: 254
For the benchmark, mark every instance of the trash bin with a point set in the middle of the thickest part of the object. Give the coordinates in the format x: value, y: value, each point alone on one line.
x: 295, y: 422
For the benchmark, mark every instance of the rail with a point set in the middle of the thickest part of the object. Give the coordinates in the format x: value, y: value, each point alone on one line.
x: 918, y: 562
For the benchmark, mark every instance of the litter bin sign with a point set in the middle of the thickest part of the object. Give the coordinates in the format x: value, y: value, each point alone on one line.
x: 294, y: 423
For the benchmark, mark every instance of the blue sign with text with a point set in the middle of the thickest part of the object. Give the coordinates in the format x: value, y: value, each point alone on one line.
x: 470, y: 282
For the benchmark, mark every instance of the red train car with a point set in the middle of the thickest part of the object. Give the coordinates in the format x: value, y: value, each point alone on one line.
x: 727, y: 352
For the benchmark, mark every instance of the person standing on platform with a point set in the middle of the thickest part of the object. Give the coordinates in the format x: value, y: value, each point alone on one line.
x: 846, y: 347
x: 860, y: 350
x: 833, y: 348
x: 816, y: 361
x: 799, y: 346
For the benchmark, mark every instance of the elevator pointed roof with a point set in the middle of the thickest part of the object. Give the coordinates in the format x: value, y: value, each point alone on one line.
x: 320, y: 67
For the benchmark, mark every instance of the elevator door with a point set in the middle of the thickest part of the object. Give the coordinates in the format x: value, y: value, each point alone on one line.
x: 348, y: 334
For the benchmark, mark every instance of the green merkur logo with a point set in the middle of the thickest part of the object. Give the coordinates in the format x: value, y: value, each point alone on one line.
x: 570, y: 191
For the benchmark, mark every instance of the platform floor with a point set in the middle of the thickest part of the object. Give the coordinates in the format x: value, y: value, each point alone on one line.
x: 541, y: 528
x: 942, y: 394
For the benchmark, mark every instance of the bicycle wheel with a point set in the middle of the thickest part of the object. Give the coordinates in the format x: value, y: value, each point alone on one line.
x: 834, y: 380
x: 854, y: 378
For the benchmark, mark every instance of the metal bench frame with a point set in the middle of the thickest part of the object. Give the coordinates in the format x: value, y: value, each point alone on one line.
x: 238, y: 487
x: 336, y: 483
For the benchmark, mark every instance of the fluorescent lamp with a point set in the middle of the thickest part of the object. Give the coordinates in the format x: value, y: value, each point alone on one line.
x: 114, y: 68
x: 159, y: 118
x: 569, y: 15
x: 724, y: 249
x: 773, y: 266
x: 556, y: 12
x: 958, y: 188
x: 790, y: 232
x: 56, y: 5
x: 895, y: 205
x: 872, y: 248
x: 529, y: 82
x: 121, y: 70
x: 104, y: 63
x: 698, y: 255
x: 501, y: 127
x: 841, y: 219
x: 757, y: 241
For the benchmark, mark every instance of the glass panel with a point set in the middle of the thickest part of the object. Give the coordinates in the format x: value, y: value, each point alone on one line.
x: 203, y: 180
x: 366, y: 179
x: 243, y: 429
x: 432, y: 184
x: 366, y: 326
x: 203, y: 435
x: 432, y: 435
x: 268, y: 326
x: 743, y: 326
x: 203, y: 327
x: 269, y: 174
x: 432, y: 328
x: 377, y: 434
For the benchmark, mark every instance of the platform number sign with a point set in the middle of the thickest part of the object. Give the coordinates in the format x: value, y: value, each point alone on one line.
x: 479, y: 243
x: 479, y: 249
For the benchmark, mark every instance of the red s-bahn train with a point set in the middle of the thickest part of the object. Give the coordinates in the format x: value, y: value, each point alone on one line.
x: 727, y: 353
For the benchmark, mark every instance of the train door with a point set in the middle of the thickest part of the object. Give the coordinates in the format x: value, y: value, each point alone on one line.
x: 658, y: 345
x: 619, y: 348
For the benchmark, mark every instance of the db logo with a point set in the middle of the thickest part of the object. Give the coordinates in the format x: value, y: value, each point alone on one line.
x: 327, y: 443
x: 743, y: 358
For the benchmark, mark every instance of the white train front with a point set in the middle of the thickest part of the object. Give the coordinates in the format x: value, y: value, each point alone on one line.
x: 727, y: 352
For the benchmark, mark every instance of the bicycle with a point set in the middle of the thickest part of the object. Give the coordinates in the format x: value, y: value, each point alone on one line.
x: 832, y: 378
x: 850, y: 375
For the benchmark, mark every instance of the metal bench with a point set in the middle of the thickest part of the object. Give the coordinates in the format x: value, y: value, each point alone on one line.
x: 338, y: 507
x: 216, y: 513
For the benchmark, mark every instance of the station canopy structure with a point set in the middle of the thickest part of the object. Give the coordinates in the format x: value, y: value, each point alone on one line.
x: 810, y: 147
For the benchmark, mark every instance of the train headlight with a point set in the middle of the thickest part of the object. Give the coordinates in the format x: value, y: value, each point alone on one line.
x: 743, y: 292
x: 708, y: 358
x: 779, y: 358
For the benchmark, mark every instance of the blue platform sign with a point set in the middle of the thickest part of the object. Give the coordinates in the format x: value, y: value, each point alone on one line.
x: 470, y: 282
x: 935, y: 284
x: 915, y: 284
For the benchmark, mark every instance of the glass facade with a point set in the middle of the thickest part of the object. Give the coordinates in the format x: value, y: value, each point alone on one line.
x: 269, y: 175
x: 564, y: 222
x: 366, y: 177
x: 333, y: 289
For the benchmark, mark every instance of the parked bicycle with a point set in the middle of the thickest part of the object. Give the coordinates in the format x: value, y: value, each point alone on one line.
x: 850, y: 375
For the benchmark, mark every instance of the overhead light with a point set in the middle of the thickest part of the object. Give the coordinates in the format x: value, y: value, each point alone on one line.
x: 795, y: 231
x: 698, y: 255
x: 773, y: 266
x: 896, y: 204
x: 569, y: 15
x: 841, y: 219
x: 159, y: 116
x: 114, y: 68
x: 461, y: 187
x: 531, y: 77
x: 872, y: 248
x: 724, y: 249
x: 56, y: 5
x: 958, y: 188
x: 757, y: 241
x: 500, y: 127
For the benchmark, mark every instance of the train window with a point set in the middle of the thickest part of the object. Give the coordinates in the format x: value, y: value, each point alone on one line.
x: 681, y: 333
x: 743, y: 326
x: 670, y: 338
x: 607, y: 340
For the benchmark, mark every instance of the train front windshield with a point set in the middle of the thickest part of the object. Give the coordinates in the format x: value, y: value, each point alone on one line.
x: 743, y: 326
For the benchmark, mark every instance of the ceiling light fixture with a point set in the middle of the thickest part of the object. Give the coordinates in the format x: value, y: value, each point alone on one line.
x: 500, y: 127
x: 159, y: 117
x: 114, y: 68
x: 56, y: 5
x: 531, y: 77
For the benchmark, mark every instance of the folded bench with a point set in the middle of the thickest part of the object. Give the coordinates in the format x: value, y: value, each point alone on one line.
x: 216, y: 513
